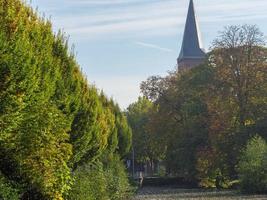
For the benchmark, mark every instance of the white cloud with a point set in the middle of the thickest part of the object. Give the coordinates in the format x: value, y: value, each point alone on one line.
x: 131, y: 18
x: 129, y: 27
x: 106, y: 2
x: 153, y: 46
x: 92, y: 19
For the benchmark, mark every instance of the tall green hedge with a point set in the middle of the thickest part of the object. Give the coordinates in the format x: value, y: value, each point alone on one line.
x: 52, y: 121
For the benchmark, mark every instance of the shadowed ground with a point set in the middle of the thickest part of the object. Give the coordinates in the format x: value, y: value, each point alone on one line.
x: 164, y: 193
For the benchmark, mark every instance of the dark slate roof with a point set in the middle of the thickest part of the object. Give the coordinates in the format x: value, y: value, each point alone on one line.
x: 192, y: 44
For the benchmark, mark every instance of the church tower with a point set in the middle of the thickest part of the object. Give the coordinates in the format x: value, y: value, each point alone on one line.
x: 192, y: 52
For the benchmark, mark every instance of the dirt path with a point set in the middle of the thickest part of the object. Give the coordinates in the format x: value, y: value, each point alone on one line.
x: 153, y: 193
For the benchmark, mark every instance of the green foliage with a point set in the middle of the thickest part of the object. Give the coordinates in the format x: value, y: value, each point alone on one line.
x: 252, y: 167
x: 44, y: 150
x: 179, y: 123
x: 89, y: 129
x: 205, y: 115
x: 117, y: 181
x: 89, y: 184
x: 211, y: 170
x: 98, y: 182
x: 138, y: 115
x: 7, y: 190
x: 120, y: 137
x: 124, y: 135
x: 51, y: 121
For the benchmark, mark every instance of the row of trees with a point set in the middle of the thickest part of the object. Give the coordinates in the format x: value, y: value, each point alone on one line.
x: 58, y: 135
x: 198, y: 121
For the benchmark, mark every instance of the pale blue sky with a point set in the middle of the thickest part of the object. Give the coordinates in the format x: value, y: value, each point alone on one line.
x: 120, y: 43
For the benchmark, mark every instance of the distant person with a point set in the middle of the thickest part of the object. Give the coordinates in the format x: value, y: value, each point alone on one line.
x: 140, y: 179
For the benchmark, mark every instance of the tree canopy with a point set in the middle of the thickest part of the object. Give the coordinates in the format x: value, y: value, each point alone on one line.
x: 204, y: 116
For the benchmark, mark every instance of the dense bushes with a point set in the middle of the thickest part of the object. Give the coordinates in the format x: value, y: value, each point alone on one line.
x: 89, y: 183
x: 253, y: 166
x: 117, y: 182
x: 7, y: 190
x: 52, y: 123
x: 101, y: 182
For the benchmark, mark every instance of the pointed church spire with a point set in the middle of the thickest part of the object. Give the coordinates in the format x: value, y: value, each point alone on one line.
x: 192, y: 52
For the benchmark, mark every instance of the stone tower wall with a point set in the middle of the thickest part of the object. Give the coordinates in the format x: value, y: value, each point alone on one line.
x: 189, y: 63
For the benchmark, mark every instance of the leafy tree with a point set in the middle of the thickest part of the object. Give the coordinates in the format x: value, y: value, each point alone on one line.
x: 253, y: 165
x: 181, y: 118
x: 212, y: 109
x: 239, y: 58
x: 138, y: 115
x: 236, y: 101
